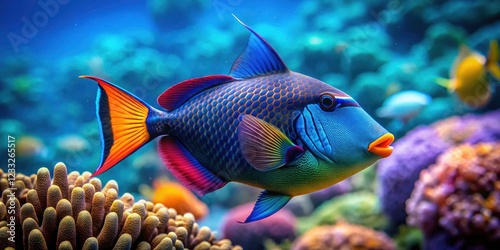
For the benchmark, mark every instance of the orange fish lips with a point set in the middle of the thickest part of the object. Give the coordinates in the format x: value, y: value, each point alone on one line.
x: 381, y: 146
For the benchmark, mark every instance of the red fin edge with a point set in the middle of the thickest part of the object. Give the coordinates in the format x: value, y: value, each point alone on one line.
x: 178, y: 94
x: 186, y: 168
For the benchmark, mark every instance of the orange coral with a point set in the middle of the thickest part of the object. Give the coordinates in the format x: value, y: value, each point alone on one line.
x: 343, y: 236
x: 176, y: 196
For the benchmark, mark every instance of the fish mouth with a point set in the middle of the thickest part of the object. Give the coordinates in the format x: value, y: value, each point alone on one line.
x: 381, y: 146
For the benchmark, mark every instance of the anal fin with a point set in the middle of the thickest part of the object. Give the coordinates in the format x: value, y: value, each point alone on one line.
x: 267, y: 204
x: 186, y: 168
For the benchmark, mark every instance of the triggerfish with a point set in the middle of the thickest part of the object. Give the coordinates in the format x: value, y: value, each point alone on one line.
x: 262, y: 125
x: 404, y: 105
x: 469, y: 75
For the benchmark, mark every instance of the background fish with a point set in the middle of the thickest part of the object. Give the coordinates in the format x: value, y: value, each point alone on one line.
x: 261, y: 125
x: 404, y: 105
x: 469, y: 79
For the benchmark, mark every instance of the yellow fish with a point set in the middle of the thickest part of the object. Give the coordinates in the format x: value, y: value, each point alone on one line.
x: 469, y: 75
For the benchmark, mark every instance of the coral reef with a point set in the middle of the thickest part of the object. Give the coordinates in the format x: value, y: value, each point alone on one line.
x: 73, y: 211
x: 470, y: 128
x: 343, y: 236
x: 278, y: 228
x: 412, y: 153
x: 362, y: 208
x: 420, y: 148
x: 456, y: 202
x: 409, y: 238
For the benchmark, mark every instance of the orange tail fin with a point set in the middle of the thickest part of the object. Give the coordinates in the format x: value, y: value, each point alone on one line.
x: 122, y: 122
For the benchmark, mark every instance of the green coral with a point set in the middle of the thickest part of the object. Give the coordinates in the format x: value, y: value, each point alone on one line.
x: 362, y: 208
x: 409, y: 238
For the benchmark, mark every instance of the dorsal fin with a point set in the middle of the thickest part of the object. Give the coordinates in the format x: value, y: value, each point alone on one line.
x: 259, y: 58
x: 178, y: 94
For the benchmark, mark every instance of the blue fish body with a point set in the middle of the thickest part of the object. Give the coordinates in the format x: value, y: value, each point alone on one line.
x: 261, y: 125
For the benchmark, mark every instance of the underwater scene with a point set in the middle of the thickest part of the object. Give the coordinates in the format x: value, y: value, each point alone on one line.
x: 237, y: 124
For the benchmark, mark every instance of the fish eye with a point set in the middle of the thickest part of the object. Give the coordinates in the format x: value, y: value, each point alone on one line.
x: 328, y: 102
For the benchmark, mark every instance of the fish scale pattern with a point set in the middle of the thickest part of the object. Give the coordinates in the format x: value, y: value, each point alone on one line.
x: 207, y: 124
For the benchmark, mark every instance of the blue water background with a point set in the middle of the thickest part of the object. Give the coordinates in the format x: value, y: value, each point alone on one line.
x: 44, y: 100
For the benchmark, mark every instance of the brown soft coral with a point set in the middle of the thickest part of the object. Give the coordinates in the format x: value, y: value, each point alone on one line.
x: 343, y: 236
x: 74, y: 211
x: 456, y: 202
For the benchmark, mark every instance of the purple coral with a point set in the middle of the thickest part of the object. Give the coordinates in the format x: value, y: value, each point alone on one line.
x: 456, y: 202
x: 397, y: 173
x: 420, y: 148
x: 279, y: 227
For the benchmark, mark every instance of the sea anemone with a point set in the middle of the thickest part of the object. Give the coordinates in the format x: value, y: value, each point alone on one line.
x: 73, y: 211
x: 456, y: 202
x: 279, y: 227
x: 343, y: 236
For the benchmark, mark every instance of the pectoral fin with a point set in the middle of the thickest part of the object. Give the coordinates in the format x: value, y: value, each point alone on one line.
x: 264, y: 146
x: 267, y: 204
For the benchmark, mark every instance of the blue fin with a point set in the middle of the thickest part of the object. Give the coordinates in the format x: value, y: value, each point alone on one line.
x: 264, y: 146
x: 178, y: 94
x: 259, y: 58
x: 267, y: 204
x: 187, y: 169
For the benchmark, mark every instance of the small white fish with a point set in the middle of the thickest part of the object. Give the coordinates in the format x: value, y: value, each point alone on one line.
x: 403, y: 105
